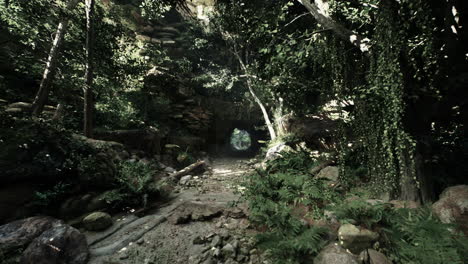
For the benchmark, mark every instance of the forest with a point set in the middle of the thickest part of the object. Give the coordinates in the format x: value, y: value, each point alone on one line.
x: 233, y: 131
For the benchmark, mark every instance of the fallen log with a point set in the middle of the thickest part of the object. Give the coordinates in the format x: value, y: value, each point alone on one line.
x: 187, y: 170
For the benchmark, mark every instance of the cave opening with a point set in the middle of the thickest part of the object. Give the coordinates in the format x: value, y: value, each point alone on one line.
x: 240, y: 140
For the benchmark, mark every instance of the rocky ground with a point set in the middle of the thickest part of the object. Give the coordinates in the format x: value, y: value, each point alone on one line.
x: 205, y: 222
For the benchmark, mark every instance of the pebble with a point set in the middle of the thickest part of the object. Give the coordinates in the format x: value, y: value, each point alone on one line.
x: 217, y: 241
x: 229, y: 250
x: 198, y: 240
x: 216, y: 252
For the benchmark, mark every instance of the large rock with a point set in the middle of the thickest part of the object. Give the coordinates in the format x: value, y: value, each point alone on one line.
x: 20, y: 233
x: 45, y: 240
x: 334, y: 254
x: 452, y: 207
x: 317, y: 130
x: 59, y: 244
x: 97, y: 221
x: 331, y: 173
x: 355, y: 239
x: 276, y: 151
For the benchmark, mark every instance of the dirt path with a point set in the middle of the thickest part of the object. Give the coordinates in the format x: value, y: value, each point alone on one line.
x: 204, y: 223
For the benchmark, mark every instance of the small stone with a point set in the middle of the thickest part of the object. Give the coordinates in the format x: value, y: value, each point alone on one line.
x: 123, y: 256
x: 229, y: 250
x: 169, y: 169
x: 240, y: 258
x: 216, y: 252
x: 184, y: 180
x: 198, y: 240
x: 216, y: 242
x: 140, y: 241
x: 244, y: 251
x: 235, y: 244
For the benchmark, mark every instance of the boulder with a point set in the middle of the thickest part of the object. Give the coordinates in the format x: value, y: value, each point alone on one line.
x: 59, y: 244
x: 334, y: 254
x: 331, y: 173
x: 275, y: 151
x: 97, y: 221
x: 452, y: 207
x: 45, y: 240
x: 20, y: 233
x: 355, y: 239
x: 371, y: 256
x: 317, y: 130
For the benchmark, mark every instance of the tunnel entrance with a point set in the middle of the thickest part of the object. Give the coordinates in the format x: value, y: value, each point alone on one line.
x: 240, y: 140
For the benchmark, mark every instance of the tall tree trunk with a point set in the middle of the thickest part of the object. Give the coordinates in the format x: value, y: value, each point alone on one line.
x: 271, y: 128
x: 51, y: 65
x: 88, y: 90
x: 266, y: 117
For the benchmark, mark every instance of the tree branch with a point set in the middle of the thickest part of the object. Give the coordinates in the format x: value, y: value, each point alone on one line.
x: 320, y: 14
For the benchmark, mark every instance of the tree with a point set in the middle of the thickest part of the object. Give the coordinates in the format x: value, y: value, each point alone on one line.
x: 51, y: 65
x: 88, y: 86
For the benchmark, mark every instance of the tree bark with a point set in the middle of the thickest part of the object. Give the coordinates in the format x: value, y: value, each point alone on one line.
x: 88, y: 87
x: 51, y: 65
x: 319, y: 11
x: 58, y: 115
x: 266, y: 117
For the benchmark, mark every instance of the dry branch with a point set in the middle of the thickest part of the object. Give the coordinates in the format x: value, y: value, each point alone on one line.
x: 187, y: 170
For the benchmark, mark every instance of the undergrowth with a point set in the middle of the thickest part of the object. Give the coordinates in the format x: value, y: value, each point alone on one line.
x: 135, y: 185
x: 274, y: 193
x: 418, y: 237
x: 407, y: 236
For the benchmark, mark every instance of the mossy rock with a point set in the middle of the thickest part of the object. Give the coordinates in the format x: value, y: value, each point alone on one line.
x: 97, y: 221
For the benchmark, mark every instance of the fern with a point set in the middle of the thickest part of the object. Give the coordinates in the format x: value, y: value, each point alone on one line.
x: 293, y: 247
x: 272, y: 195
x: 360, y: 211
x: 418, y: 237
